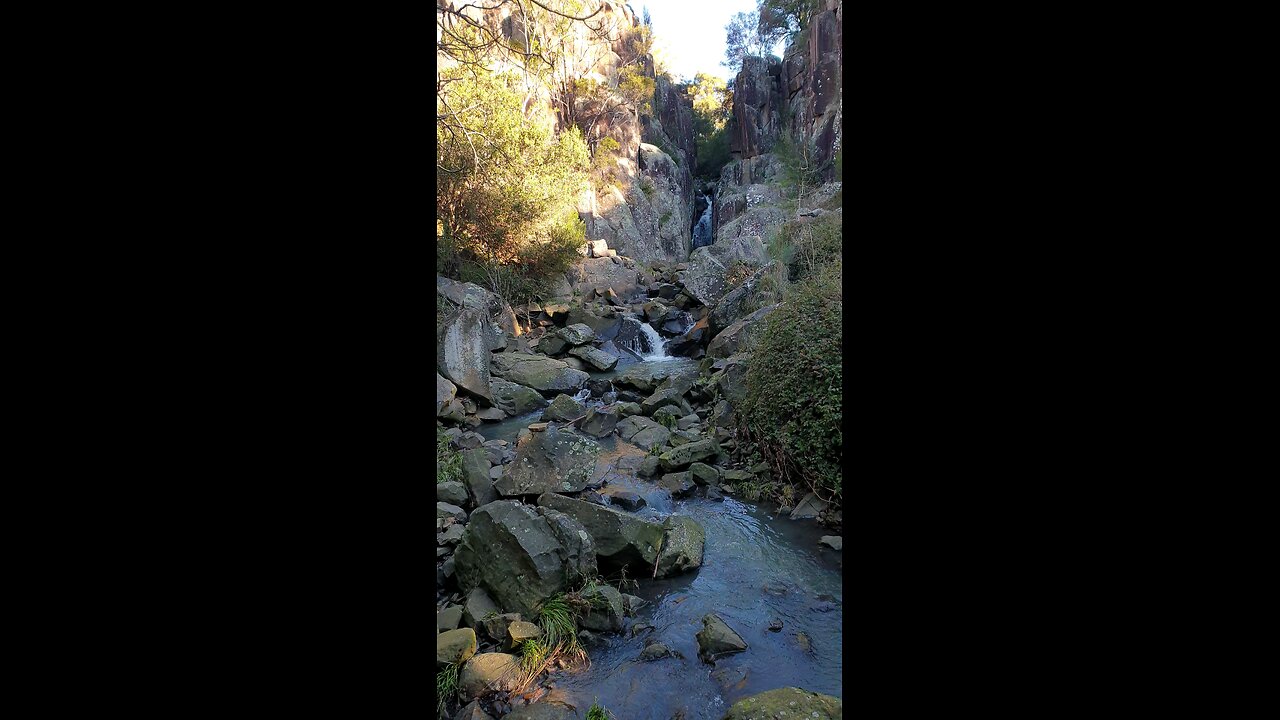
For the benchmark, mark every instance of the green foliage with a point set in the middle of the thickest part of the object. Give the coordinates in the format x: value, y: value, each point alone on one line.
x: 637, y: 89
x: 712, y: 106
x: 793, y: 406
x: 533, y: 653
x: 559, y: 628
x: 800, y: 173
x: 506, y: 187
x: 446, y: 685
x: 595, y: 712
x: 667, y: 421
x: 665, y: 217
x: 785, y: 18
x: 807, y: 245
x: 448, y: 461
x: 606, y: 153
x: 646, y: 186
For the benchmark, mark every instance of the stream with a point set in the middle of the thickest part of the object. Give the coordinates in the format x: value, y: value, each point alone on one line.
x: 757, y: 568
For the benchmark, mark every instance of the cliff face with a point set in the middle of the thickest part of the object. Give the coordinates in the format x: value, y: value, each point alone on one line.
x: 800, y: 96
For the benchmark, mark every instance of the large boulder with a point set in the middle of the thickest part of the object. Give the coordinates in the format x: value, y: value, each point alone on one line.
x: 477, y: 607
x: 739, y: 334
x: 473, y: 296
x: 647, y: 377
x: 452, y: 492
x: 554, y: 460
x: 811, y: 506
x: 544, y: 374
x: 737, y: 302
x: 732, y: 379
x: 601, y: 274
x: 600, y: 422
x: 716, y: 638
x: 708, y: 265
x: 663, y: 397
x: 620, y: 538
x: 515, y: 399
x: 463, y: 342
x: 515, y: 554
x: 792, y: 701
x: 486, y: 673
x: 445, y: 391
x: 543, y: 710
x: 689, y: 453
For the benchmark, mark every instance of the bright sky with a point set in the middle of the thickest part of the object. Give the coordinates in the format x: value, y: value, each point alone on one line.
x: 692, y: 32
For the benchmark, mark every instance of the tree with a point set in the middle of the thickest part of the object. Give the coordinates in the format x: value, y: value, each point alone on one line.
x: 785, y: 18
x: 743, y: 38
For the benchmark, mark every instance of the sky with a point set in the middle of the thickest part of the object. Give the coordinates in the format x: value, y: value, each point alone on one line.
x: 692, y: 32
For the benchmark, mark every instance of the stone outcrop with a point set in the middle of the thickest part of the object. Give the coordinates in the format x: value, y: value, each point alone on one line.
x: 792, y: 701
x: 519, y: 558
x: 544, y: 374
x: 738, y: 335
x: 554, y: 460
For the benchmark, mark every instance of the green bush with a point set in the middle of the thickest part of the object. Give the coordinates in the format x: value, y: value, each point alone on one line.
x: 793, y: 406
x: 807, y: 245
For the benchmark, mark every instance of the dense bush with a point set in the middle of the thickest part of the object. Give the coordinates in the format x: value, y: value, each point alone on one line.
x: 806, y: 245
x: 793, y: 408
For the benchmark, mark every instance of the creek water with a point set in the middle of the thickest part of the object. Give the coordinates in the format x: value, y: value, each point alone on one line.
x: 702, y: 234
x: 758, y: 567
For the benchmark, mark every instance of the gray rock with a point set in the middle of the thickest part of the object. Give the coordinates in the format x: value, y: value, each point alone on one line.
x: 704, y: 279
x: 656, y: 651
x: 472, y: 711
x: 689, y: 453
x: 445, y: 391
x: 575, y: 364
x: 619, y: 537
x: 519, y: 631
x: 449, y: 618
x: 624, y: 499
x: 606, y: 611
x: 452, y: 492
x: 643, y: 432
x: 496, y: 626
x: 543, y: 710
x: 577, y: 334
x: 626, y: 409
x: 463, y: 348
x: 544, y: 374
x: 552, y: 345
x: 632, y: 604
x: 488, y: 672
x: 444, y: 509
x: 739, y: 335
x: 477, y: 606
x: 600, y: 422
x: 688, y: 421
x: 452, y: 536
x: 835, y: 542
x: 554, y: 460
x: 596, y: 358
x: 682, y: 547
x: 647, y: 377
x: 649, y: 466
x: 520, y: 556
x: 809, y: 507
x: 490, y: 414
x: 717, y: 639
x: 678, y: 484
x: 704, y: 474
x: 563, y: 409
x: 475, y: 473
x: 515, y: 399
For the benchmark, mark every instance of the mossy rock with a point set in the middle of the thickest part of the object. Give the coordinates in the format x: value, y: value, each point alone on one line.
x: 796, y: 703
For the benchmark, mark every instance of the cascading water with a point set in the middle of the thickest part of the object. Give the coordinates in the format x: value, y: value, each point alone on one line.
x: 702, y: 231
x: 641, y: 340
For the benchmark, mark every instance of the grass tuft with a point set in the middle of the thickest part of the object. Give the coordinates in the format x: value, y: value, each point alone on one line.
x: 446, y: 685
x: 598, y: 713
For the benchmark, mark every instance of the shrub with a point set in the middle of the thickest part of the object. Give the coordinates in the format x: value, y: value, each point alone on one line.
x: 793, y: 406
x: 807, y: 245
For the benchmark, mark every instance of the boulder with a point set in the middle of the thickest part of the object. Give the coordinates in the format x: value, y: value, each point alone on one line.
x: 717, y: 639
x: 515, y: 399
x: 444, y: 509
x: 463, y: 341
x: 552, y: 345
x: 563, y: 409
x: 606, y: 611
x: 452, y: 492
x: 544, y: 374
x: 656, y: 651
x: 495, y: 626
x: 732, y: 379
x: 492, y: 414
x: 682, y: 546
x: 455, y: 646
x: 597, y: 248
x: 453, y: 411
x: 689, y: 453
x: 602, y: 273
x: 577, y: 334
x: 809, y: 507
x: 519, y: 631
x: 704, y: 474
x: 554, y: 460
x: 794, y: 702
x: 649, y: 466
x: 624, y: 499
x: 835, y: 542
x: 738, y: 336
x: 472, y: 711
x: 619, y: 538
x: 600, y: 422
x: 445, y: 391
x: 736, y: 303
x: 678, y: 484
x: 647, y: 377
x: 512, y: 552
x: 486, y: 673
x: 543, y: 710
x: 475, y: 473
x: 704, y: 279
x: 643, y: 432
x: 626, y: 409
x: 477, y: 606
x: 450, y: 537
x: 598, y: 359
x: 449, y: 618
x: 473, y: 296
x: 579, y: 550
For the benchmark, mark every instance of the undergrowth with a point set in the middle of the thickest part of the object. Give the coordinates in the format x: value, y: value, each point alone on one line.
x: 448, y: 460
x: 446, y: 685
x: 595, y: 712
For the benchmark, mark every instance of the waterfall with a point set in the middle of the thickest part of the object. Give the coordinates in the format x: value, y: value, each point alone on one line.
x: 657, y: 346
x: 641, y: 340
x: 702, y: 231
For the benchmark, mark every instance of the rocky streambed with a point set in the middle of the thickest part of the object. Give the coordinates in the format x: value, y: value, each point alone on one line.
x: 596, y: 464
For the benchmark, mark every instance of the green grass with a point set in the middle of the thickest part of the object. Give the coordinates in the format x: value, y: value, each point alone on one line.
x: 448, y: 460
x: 598, y: 713
x: 558, y: 625
x: 533, y: 653
x: 446, y: 685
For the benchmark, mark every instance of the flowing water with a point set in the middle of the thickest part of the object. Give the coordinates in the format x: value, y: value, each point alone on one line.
x: 758, y: 568
x: 702, y: 234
